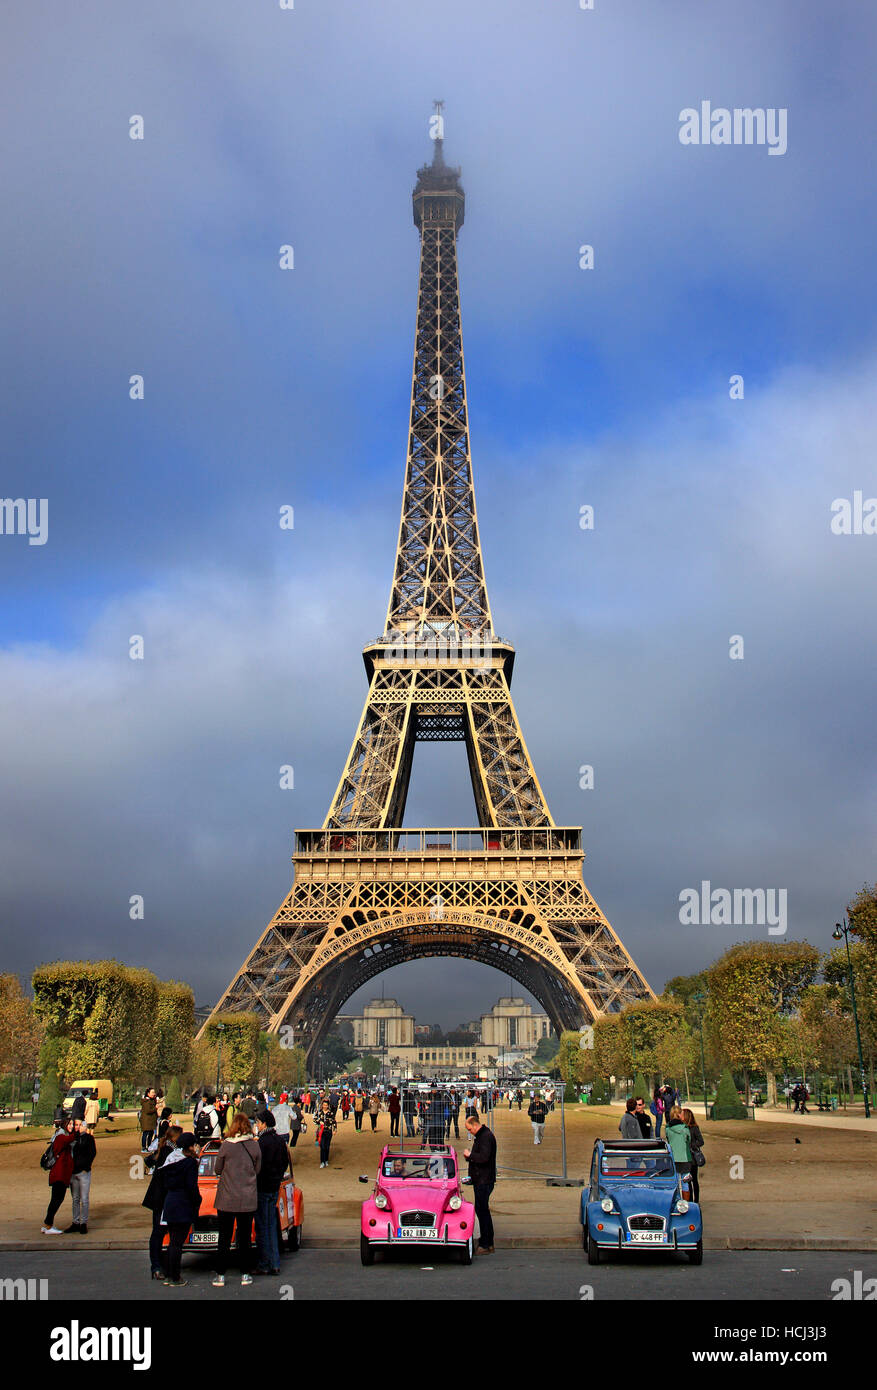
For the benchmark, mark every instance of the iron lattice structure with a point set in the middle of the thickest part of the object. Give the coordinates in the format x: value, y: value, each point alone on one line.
x: 368, y: 894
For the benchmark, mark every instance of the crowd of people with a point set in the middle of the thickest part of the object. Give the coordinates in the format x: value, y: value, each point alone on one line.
x: 682, y: 1131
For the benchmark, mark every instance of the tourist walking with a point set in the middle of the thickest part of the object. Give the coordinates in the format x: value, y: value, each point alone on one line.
x: 148, y: 1119
x: 358, y: 1108
x: 697, y: 1155
x: 471, y: 1104
x: 482, y: 1171
x: 282, y: 1113
x: 538, y: 1113
x: 60, y: 1173
x: 275, y: 1161
x: 84, y: 1151
x: 345, y: 1104
x: 679, y: 1139
x: 296, y: 1121
x: 237, y: 1166
x: 394, y: 1106
x: 629, y: 1126
x: 374, y: 1109
x: 207, y: 1122
x: 154, y: 1199
x: 178, y: 1183
x: 326, y: 1126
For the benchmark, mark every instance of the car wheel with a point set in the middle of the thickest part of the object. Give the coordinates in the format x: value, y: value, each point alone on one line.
x: 466, y: 1252
x: 593, y: 1250
x: 293, y: 1238
x: 366, y: 1253
x: 695, y: 1256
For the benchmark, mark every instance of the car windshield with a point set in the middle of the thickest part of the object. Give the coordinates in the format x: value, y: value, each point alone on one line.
x: 633, y: 1165
x: 429, y: 1166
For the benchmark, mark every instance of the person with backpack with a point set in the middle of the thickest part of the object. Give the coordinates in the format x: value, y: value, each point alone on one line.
x: 181, y: 1202
x: 207, y: 1124
x: 697, y: 1155
x: 84, y: 1151
x: 358, y: 1109
x: 57, y: 1160
x: 237, y: 1166
x: 154, y: 1199
x: 374, y: 1109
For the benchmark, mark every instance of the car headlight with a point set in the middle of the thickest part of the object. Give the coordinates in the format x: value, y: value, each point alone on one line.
x: 381, y: 1201
x: 456, y: 1202
x: 607, y: 1204
x: 682, y: 1206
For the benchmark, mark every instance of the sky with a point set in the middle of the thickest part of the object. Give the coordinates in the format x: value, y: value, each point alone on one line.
x: 266, y: 388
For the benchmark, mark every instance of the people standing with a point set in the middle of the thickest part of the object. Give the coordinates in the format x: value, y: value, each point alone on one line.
x: 471, y: 1104
x: 679, y: 1139
x: 237, y: 1166
x: 345, y: 1104
x: 326, y: 1126
x: 394, y: 1106
x: 84, y: 1151
x: 154, y: 1199
x: 519, y: 1097
x: 207, y: 1124
x: 629, y: 1127
x: 453, y: 1113
x: 409, y: 1110
x: 697, y: 1158
x: 657, y: 1109
x: 148, y: 1118
x: 275, y: 1161
x: 482, y: 1171
x: 643, y: 1118
x: 60, y: 1174
x: 178, y: 1184
x: 538, y: 1112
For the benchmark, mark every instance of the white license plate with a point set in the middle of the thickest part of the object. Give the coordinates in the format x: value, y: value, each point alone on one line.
x: 204, y: 1238
x: 417, y: 1233
x: 647, y: 1237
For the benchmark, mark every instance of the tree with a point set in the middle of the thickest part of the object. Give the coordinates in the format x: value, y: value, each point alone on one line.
x: 641, y: 1088
x: 20, y: 1034
x: 175, y: 1024
x: 370, y: 1065
x: 752, y: 988
x: 336, y: 1053
x: 297, y: 1066
x: 569, y: 1057
x: 239, y: 1036
x: 727, y: 1104
x: 174, y: 1097
x: 546, y: 1051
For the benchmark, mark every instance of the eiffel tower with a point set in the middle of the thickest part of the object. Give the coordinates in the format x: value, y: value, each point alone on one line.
x: 367, y: 893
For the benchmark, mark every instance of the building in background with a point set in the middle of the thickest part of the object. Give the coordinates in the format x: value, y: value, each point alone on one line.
x: 502, y: 1042
x: 513, y: 1026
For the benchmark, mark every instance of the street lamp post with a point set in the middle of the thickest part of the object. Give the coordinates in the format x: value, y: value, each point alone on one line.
x: 843, y: 933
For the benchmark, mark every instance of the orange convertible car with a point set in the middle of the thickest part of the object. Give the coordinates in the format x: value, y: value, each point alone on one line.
x: 204, y: 1234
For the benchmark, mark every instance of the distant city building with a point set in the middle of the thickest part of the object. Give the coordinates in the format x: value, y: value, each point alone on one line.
x: 513, y: 1026
x: 506, y: 1037
x: 383, y: 1024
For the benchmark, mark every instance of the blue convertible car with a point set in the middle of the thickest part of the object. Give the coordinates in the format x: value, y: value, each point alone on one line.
x: 636, y: 1201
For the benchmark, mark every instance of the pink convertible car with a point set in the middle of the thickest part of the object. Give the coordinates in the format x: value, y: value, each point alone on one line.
x: 417, y: 1201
